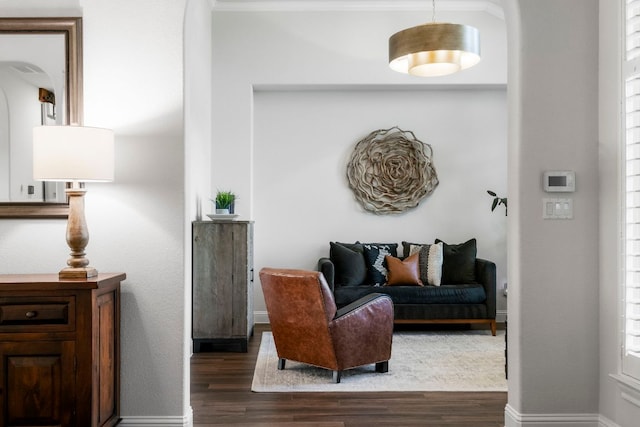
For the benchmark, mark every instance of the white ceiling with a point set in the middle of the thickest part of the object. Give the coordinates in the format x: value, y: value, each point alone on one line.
x: 491, y: 6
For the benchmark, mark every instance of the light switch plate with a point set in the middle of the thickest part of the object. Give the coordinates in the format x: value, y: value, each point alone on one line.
x: 554, y: 208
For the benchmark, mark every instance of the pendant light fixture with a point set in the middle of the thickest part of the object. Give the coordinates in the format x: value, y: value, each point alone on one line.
x: 434, y: 49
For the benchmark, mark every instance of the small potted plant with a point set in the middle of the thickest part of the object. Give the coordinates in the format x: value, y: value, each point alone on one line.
x: 224, y: 202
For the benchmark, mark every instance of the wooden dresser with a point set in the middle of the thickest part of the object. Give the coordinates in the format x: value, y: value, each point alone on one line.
x: 222, y: 283
x: 60, y: 350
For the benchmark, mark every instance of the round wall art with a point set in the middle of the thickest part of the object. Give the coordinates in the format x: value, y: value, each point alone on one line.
x: 390, y: 171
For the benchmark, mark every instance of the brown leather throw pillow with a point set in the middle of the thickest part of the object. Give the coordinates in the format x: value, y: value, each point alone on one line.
x: 403, y: 272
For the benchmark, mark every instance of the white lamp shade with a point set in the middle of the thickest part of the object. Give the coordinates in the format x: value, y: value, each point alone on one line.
x: 73, y: 153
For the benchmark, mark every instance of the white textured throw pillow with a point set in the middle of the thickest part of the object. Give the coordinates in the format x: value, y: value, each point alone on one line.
x: 431, y: 258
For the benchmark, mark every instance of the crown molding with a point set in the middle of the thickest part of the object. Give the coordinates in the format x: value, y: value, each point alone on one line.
x: 492, y: 7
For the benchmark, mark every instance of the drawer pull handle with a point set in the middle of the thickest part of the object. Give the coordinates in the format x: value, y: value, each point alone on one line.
x: 31, y: 314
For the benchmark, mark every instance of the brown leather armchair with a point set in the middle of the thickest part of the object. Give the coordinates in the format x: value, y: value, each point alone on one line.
x: 308, y: 328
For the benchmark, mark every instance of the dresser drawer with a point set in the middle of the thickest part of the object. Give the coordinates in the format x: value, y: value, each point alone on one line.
x: 40, y: 313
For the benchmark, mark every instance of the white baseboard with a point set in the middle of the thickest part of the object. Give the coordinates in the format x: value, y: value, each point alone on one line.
x: 513, y: 418
x: 260, y: 317
x: 169, y: 421
x: 263, y: 317
x: 606, y: 422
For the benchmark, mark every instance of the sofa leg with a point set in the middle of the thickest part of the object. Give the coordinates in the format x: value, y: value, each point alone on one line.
x: 281, y: 364
x: 382, y: 367
x: 336, y: 376
x: 493, y: 327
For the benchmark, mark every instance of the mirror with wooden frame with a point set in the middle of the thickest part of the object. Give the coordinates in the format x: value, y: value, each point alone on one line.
x: 26, y: 54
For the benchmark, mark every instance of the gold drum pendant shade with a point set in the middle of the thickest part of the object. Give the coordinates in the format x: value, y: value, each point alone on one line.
x: 434, y: 49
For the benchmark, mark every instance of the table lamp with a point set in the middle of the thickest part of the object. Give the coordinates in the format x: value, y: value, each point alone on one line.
x: 74, y: 154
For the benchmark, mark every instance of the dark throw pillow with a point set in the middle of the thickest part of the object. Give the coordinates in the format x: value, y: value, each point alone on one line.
x: 459, y: 262
x: 374, y: 254
x: 403, y: 272
x: 348, y: 261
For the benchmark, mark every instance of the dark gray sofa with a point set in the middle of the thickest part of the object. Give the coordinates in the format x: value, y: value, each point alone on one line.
x: 473, y: 301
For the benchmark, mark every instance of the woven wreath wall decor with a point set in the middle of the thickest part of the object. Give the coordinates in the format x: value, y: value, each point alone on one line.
x: 390, y: 171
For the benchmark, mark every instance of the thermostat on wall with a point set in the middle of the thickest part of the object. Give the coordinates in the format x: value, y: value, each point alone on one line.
x: 559, y: 181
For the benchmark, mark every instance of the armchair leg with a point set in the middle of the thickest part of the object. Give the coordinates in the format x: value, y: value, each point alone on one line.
x: 382, y: 367
x: 281, y: 364
x: 336, y: 376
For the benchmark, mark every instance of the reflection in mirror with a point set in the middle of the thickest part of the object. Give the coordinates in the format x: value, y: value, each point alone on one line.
x: 29, y: 65
x: 40, y: 83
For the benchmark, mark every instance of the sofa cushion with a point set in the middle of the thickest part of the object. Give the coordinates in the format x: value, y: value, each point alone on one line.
x: 459, y: 262
x: 374, y: 254
x: 348, y: 261
x: 472, y: 293
x: 430, y: 261
x: 403, y: 272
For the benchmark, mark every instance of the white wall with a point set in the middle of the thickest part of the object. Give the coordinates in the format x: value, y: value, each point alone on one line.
x: 553, y: 265
x: 296, y: 48
x: 135, y: 86
x: 303, y: 141
x: 197, y: 87
x: 292, y: 86
x: 133, y: 83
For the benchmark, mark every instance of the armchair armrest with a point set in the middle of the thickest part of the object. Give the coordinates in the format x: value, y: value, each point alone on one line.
x: 359, y: 303
x: 326, y: 267
x: 369, y: 312
x: 486, y: 276
x: 363, y: 328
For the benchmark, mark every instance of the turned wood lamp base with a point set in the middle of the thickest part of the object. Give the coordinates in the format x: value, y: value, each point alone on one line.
x: 77, y: 237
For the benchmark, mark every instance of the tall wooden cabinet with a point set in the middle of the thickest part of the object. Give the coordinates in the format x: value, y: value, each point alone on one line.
x: 60, y: 350
x: 222, y: 283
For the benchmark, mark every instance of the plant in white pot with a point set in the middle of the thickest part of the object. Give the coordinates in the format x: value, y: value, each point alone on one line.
x: 224, y: 202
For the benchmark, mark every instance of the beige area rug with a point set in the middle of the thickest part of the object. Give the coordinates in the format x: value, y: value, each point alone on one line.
x: 470, y: 360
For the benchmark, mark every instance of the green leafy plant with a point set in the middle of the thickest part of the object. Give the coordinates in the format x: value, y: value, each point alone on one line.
x: 224, y: 199
x: 497, y: 201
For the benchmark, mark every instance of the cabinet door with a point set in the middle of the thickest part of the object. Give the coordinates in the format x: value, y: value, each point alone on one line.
x: 220, y: 274
x: 38, y: 383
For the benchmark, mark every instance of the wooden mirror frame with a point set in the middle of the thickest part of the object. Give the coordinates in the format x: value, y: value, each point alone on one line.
x: 71, y: 28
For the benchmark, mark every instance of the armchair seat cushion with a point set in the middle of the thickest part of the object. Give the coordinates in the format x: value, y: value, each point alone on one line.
x: 472, y: 293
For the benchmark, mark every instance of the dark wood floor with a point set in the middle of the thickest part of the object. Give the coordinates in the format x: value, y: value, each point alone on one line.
x: 221, y: 396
